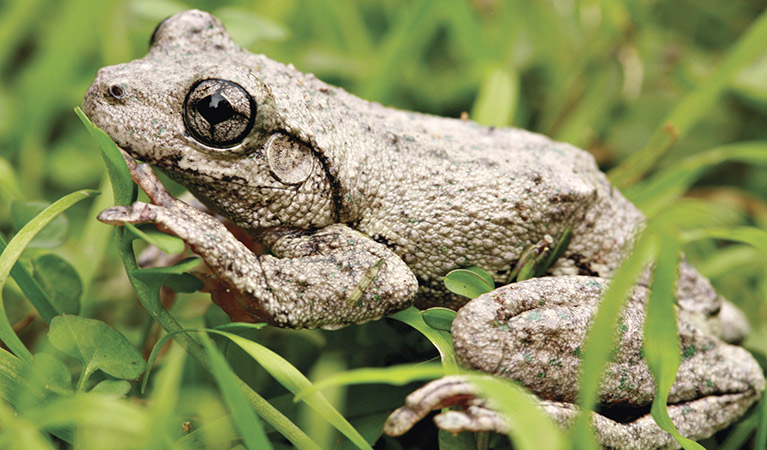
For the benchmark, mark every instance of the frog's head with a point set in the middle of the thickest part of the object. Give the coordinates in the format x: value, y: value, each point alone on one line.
x: 198, y: 106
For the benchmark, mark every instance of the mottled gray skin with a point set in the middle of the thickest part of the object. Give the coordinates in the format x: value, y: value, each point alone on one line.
x: 533, y: 331
x: 365, y: 208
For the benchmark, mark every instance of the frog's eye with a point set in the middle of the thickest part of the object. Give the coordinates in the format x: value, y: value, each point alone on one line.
x: 218, y: 113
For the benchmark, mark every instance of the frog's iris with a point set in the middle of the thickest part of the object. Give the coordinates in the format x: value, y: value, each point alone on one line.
x: 218, y: 113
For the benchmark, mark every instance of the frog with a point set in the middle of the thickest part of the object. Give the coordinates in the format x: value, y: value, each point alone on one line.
x: 365, y: 208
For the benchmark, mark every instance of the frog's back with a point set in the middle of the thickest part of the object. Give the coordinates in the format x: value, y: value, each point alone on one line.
x: 446, y: 193
x: 450, y: 193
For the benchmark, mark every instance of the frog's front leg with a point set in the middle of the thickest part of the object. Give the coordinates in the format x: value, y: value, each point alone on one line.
x: 329, y: 277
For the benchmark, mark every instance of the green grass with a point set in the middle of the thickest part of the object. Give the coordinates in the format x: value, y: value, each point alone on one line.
x: 670, y: 96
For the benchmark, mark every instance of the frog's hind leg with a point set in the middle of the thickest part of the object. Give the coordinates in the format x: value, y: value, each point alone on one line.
x: 602, y: 236
x: 700, y: 303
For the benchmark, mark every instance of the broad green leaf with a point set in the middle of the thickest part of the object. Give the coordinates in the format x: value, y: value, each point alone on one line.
x: 442, y: 340
x: 439, y: 318
x: 529, y: 426
x: 165, y: 242
x: 32, y: 289
x: 295, y: 381
x: 250, y: 428
x: 175, y: 276
x: 53, y: 373
x: 60, y: 280
x: 395, y: 375
x: 112, y: 388
x: 497, y: 98
x: 179, y: 268
x: 97, y: 346
x: 468, y: 282
x: 486, y: 277
x: 89, y: 410
x: 12, y: 253
x: 51, y: 236
x: 183, y: 283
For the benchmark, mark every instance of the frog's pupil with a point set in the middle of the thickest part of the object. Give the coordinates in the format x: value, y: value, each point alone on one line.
x: 215, y: 108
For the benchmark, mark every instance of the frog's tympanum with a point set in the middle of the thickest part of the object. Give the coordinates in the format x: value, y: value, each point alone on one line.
x: 364, y: 208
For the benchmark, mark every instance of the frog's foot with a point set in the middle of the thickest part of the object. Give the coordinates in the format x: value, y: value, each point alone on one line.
x: 622, y: 430
x: 442, y: 393
x: 175, y: 216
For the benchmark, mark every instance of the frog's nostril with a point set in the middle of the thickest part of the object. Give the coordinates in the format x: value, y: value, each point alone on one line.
x: 116, y: 91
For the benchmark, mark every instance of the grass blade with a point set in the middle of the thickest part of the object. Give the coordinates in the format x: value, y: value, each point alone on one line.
x: 497, y: 98
x: 654, y: 194
x: 760, y: 440
x: 396, y: 375
x: 679, y: 122
x: 244, y: 418
x: 529, y: 427
x: 600, y: 339
x: 32, y: 289
x: 661, y: 339
x: 295, y: 382
x: 755, y: 237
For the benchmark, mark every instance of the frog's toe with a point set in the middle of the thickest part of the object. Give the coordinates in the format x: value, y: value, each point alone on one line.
x: 441, y: 393
x: 475, y: 418
x: 139, y: 212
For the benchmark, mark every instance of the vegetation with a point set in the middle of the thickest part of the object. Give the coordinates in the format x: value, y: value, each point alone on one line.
x: 670, y: 96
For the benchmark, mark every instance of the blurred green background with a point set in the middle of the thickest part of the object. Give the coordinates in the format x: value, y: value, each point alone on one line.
x: 601, y: 74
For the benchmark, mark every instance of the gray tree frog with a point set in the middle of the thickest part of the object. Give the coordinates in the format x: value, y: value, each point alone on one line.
x: 365, y: 208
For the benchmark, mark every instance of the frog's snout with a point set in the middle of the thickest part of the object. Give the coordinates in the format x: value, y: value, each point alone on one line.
x: 102, y: 91
x: 107, y: 103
